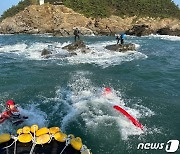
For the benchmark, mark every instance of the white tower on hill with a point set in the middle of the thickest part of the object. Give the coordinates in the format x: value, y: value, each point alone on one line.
x: 41, y: 2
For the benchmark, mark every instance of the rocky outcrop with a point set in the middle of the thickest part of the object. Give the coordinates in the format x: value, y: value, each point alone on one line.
x: 75, y: 46
x: 140, y: 30
x: 168, y: 31
x: 79, y: 45
x: 121, y: 47
x: 44, y: 19
x: 60, y: 21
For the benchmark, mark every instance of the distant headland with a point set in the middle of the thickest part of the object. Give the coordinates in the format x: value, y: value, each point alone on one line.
x: 103, y: 17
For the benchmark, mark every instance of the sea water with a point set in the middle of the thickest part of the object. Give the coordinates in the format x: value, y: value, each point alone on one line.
x: 68, y: 91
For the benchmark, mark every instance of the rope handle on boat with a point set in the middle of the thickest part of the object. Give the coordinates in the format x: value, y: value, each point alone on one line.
x: 68, y: 141
x: 32, y: 149
x: 34, y: 141
x: 15, y: 138
x: 15, y: 148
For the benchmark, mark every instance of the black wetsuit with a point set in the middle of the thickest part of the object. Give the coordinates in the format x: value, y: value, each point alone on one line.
x: 118, y: 39
x: 16, y: 118
x: 122, y: 38
x: 76, y: 34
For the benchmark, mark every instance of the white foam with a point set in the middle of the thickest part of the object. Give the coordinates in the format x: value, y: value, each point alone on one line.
x: 165, y: 37
x: 17, y: 48
x: 44, y: 35
x: 35, y: 116
x: 6, y: 34
x: 98, y: 55
x: 96, y: 109
x: 105, y: 58
x: 34, y: 51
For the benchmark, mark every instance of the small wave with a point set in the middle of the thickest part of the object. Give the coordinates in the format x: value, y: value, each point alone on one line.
x: 20, y: 47
x: 44, y: 35
x: 6, y: 34
x: 165, y: 37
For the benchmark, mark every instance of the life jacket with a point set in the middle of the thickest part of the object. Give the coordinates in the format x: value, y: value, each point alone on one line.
x: 123, y: 36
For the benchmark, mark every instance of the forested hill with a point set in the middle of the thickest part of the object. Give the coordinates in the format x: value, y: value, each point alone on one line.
x: 105, y: 8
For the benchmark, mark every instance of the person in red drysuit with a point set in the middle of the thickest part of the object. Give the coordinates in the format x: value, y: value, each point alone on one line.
x: 12, y: 113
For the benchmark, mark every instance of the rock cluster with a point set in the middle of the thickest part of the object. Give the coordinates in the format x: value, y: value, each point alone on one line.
x: 72, y: 49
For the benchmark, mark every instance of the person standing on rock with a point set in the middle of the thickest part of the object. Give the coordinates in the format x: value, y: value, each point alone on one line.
x: 122, y: 38
x: 76, y: 34
x: 117, y: 38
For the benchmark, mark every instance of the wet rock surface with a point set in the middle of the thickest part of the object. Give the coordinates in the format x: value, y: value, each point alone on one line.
x: 121, y: 47
x: 79, y: 45
x: 45, y: 52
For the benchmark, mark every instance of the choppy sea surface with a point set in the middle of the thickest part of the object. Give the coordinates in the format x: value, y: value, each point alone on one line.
x: 68, y: 91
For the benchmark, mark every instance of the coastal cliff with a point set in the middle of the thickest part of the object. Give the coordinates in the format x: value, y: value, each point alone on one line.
x: 60, y: 21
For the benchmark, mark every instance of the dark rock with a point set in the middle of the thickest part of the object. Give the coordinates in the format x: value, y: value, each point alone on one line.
x: 45, y: 52
x: 61, y: 32
x: 168, y: 31
x: 72, y: 54
x: 140, y: 30
x: 121, y: 47
x: 74, y: 46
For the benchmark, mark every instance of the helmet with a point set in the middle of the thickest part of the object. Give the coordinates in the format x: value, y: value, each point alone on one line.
x: 107, y: 90
x: 10, y: 102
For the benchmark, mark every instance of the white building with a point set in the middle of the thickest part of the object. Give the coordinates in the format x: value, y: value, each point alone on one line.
x: 41, y: 2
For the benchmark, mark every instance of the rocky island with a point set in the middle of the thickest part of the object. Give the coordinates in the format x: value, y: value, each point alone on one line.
x: 59, y: 20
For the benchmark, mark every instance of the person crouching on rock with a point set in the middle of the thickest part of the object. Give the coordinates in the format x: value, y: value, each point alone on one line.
x: 122, y: 38
x: 117, y: 38
x: 76, y: 34
x: 12, y: 113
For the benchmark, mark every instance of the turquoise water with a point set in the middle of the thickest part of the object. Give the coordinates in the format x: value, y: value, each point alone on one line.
x: 68, y: 91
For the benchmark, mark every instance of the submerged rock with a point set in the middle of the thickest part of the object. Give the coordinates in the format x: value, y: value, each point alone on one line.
x: 121, y: 47
x: 46, y: 53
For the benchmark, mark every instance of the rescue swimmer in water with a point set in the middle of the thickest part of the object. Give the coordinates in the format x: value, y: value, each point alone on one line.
x: 12, y: 113
x: 107, y: 91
